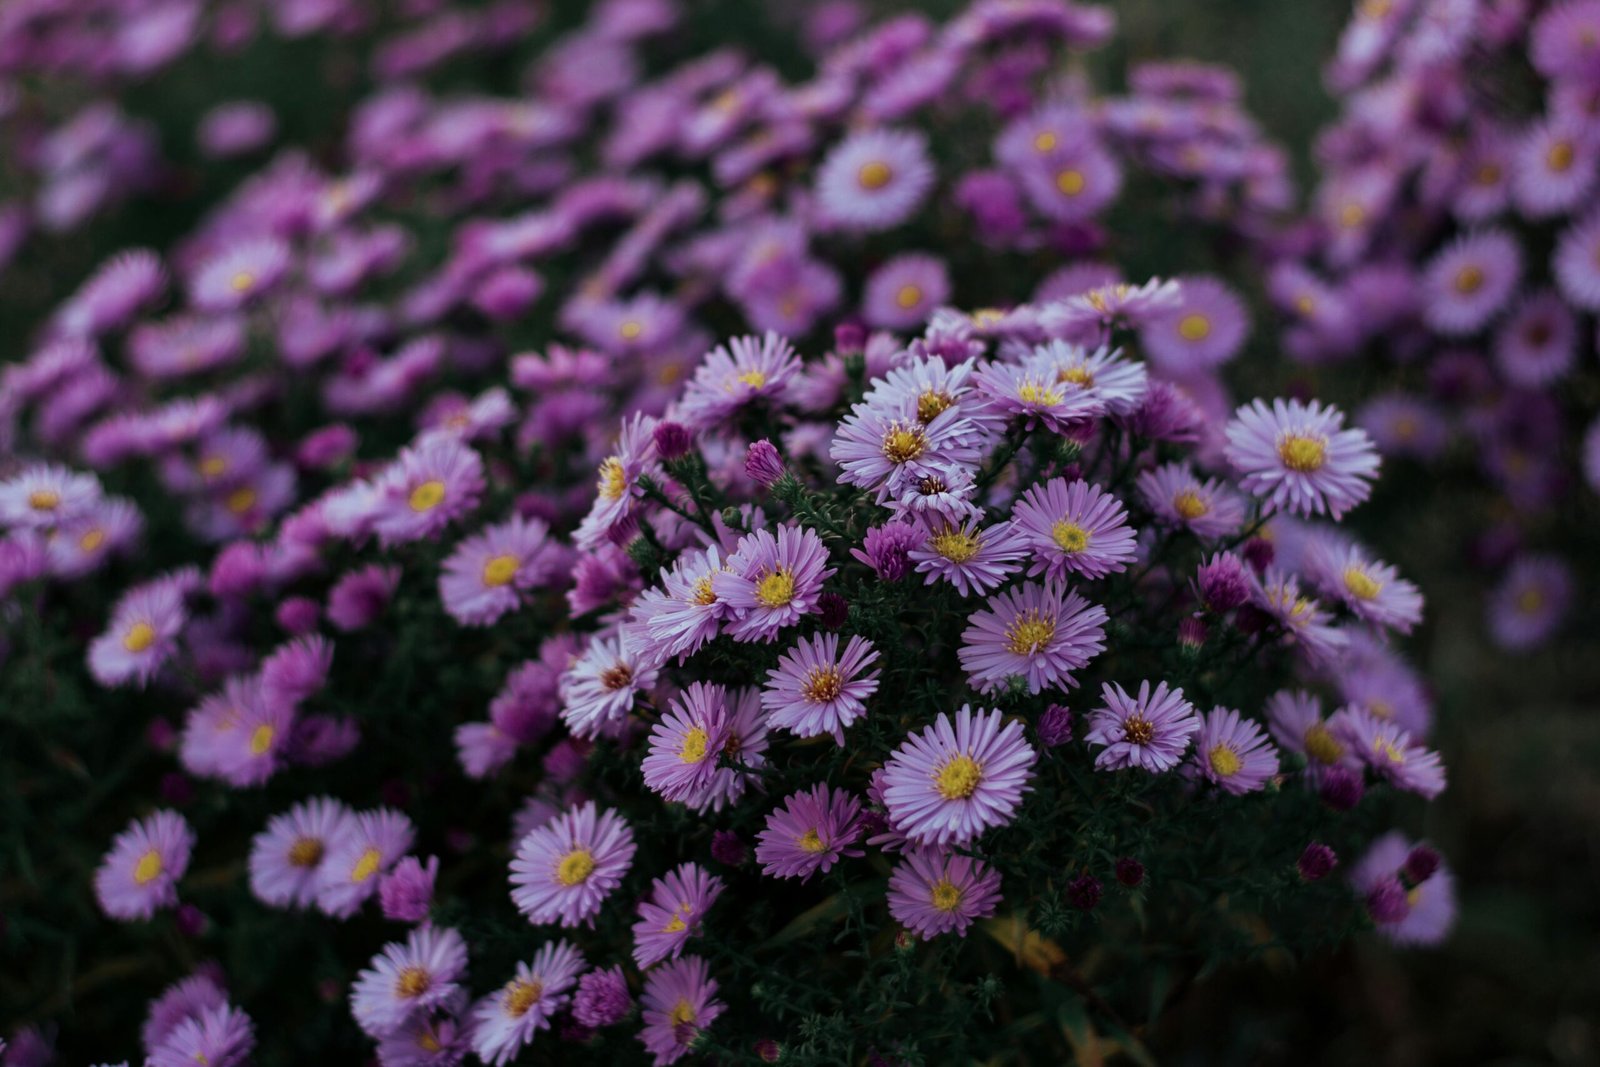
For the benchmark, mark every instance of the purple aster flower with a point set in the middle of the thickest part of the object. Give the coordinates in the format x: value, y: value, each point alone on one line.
x: 1426, y: 910
x: 903, y: 292
x: 1074, y: 527
x: 564, y: 870
x: 763, y: 464
x: 618, y: 488
x: 679, y: 1001
x: 771, y: 582
x: 686, y: 745
x: 816, y: 690
x: 954, y: 780
x: 1316, y: 862
x: 236, y: 128
x: 1374, y: 591
x: 602, y: 998
x: 1118, y: 384
x: 1204, y: 330
x: 1032, y: 391
x: 1150, y: 731
x: 1470, y: 280
x: 883, y: 446
x: 932, y: 892
x: 1537, y: 344
x: 183, y: 1000
x: 973, y: 560
x: 735, y: 375
x: 286, y: 858
x: 297, y: 669
x: 240, y: 274
x: 426, y: 1041
x: 1564, y: 40
x: 1296, y: 722
x: 1055, y: 726
x: 408, y: 979
x: 405, y: 894
x: 1232, y: 753
x: 678, y: 902
x: 1113, y: 304
x: 886, y: 549
x: 222, y: 1036
x: 431, y: 484
x: 82, y: 544
x: 507, y: 1019
x: 357, y: 599
x: 600, y: 687
x: 1554, y: 167
x: 373, y: 842
x: 1304, y: 620
x: 874, y: 179
x: 1223, y: 582
x: 1576, y: 264
x: 1177, y: 497
x: 1404, y: 425
x: 488, y: 574
x: 139, y: 874
x: 1038, y: 631
x: 812, y: 831
x: 142, y: 635
x: 114, y: 294
x: 1391, y: 753
x: 685, y: 613
x: 1300, y: 458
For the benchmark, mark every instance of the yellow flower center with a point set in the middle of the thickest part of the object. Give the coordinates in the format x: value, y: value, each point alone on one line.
x: 1029, y: 633
x: 874, y: 175
x: 776, y: 589
x: 902, y: 444
x: 1225, y: 761
x: 613, y: 479
x: 427, y: 496
x: 1032, y: 392
x: 1071, y: 182
x: 704, y: 595
x: 1352, y: 215
x: 213, y: 466
x: 241, y: 500
x: 1194, y: 327
x: 693, y: 747
x: 945, y: 896
x: 261, y: 739
x: 955, y: 545
x: 92, y: 539
x: 366, y: 866
x: 1302, y: 453
x: 412, y: 982
x: 499, y: 571
x: 576, y: 866
x: 1045, y: 142
x: 1388, y: 750
x: 1305, y: 304
x: 140, y: 636
x: 44, y: 500
x: 1361, y: 584
x: 1560, y: 156
x: 1469, y: 279
x: 682, y: 1015
x: 811, y: 842
x: 908, y: 297
x: 1138, y: 731
x: 822, y: 685
x: 521, y: 995
x: 428, y: 1043
x: 958, y: 779
x: 930, y: 405
x: 1079, y: 375
x: 1322, y: 746
x: 1487, y: 174
x: 631, y: 330
x: 753, y: 378
x: 1530, y: 601
x: 1069, y: 536
x: 1190, y: 505
x: 305, y: 852
x: 242, y: 282
x: 148, y: 868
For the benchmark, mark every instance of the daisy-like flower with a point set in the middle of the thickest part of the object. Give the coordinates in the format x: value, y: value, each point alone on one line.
x: 373, y: 843
x: 1296, y: 722
x: 678, y: 1002
x: 745, y: 749
x: 618, y: 488
x: 1469, y: 281
x: 875, y: 179
x: 1112, y: 304
x: 240, y: 274
x: 954, y: 780
x: 932, y: 892
x: 600, y: 687
x: 1177, y: 497
x: 1576, y: 264
x: 1537, y: 344
x: 1554, y: 167
x: 815, y: 690
x: 487, y: 574
x: 1530, y: 603
x: 46, y: 495
x: 1150, y: 731
x: 286, y: 858
x: 681, y: 616
x: 1300, y: 458
x: 220, y: 1036
x: 1101, y: 373
x: 678, y: 902
x: 1304, y: 620
x: 1374, y: 591
x: 1205, y: 329
x: 1072, y: 181
x: 1036, y: 630
x: 426, y: 1041
x: 507, y: 1019
x: 812, y: 831
x: 431, y: 484
x: 142, y: 636
x: 687, y: 743
x: 1391, y: 752
x: 81, y: 544
x: 409, y: 979
x: 771, y: 582
x: 735, y: 375
x: 114, y: 293
x: 139, y: 875
x: 1425, y: 910
x: 971, y: 558
x: 1405, y: 425
x: 182, y: 345
x: 565, y: 869
x: 1232, y: 753
x: 1073, y: 528
x: 885, y: 445
x: 904, y: 291
x: 1031, y: 391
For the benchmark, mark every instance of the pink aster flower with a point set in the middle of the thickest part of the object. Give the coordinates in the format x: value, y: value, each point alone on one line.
x: 933, y: 892
x: 82, y: 544
x: 142, y: 635
x: 46, y: 495
x: 1300, y: 458
x: 903, y: 292
x: 600, y: 687
x: 884, y: 445
x: 430, y: 485
x: 220, y: 1036
x: 564, y: 870
x: 1554, y: 167
x: 1391, y: 752
x: 874, y: 179
x: 677, y: 619
x: 1305, y: 621
x: 771, y: 582
x: 1417, y: 912
x: 602, y: 998
x: 1074, y: 528
x: 815, y: 690
x: 1102, y: 374
x: 489, y: 573
x: 678, y: 1002
x: 408, y: 979
x: 1031, y: 390
x: 686, y: 745
x: 1576, y: 264
x: 239, y: 274
x: 812, y: 831
x: 1296, y: 722
x: 1373, y: 590
x: 507, y: 1019
x: 1470, y: 281
x: 1530, y: 602
x: 735, y: 375
x: 1036, y: 630
x: 1232, y: 753
x: 974, y: 559
x: 954, y: 780
x: 618, y: 489
x: 139, y: 874
x: 1205, y: 329
x: 1178, y: 497
x: 1537, y: 344
x: 1150, y: 731
x: 678, y: 902
x: 351, y: 872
